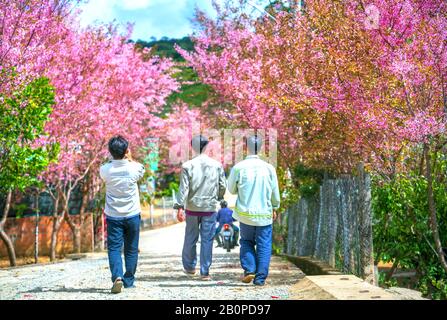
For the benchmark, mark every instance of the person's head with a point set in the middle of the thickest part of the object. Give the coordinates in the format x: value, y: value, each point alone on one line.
x: 199, y: 143
x: 118, y: 146
x: 254, y: 144
x: 223, y: 204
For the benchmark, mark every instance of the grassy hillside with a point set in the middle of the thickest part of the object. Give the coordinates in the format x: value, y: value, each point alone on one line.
x: 192, y: 91
x: 165, y: 47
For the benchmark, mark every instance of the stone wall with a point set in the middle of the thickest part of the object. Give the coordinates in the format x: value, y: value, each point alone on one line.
x: 335, y: 226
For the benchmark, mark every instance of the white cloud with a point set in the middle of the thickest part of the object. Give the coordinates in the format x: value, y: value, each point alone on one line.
x: 97, y: 10
x: 151, y: 17
x: 144, y: 4
x: 134, y: 4
x: 157, y: 18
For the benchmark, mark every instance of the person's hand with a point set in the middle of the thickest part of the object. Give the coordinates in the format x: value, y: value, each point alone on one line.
x: 180, y: 215
x: 275, y: 215
x: 128, y: 155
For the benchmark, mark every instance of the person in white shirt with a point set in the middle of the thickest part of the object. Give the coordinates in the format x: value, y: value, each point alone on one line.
x: 122, y: 211
x: 256, y: 184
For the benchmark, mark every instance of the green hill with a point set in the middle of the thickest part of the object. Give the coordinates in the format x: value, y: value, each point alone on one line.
x: 192, y: 91
x: 165, y: 47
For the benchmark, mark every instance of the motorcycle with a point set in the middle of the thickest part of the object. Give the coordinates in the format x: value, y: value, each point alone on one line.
x: 227, y: 234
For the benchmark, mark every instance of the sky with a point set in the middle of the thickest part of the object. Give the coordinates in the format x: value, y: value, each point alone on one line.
x: 151, y: 18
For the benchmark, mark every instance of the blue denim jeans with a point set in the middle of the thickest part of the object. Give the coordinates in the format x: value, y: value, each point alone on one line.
x: 123, y: 232
x: 206, y: 227
x: 256, y: 260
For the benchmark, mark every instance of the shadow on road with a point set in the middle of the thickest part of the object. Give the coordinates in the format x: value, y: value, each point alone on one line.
x: 227, y: 276
x: 69, y: 290
x: 202, y: 284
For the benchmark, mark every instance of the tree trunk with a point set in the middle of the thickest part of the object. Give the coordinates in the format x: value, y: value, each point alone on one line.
x: 93, y: 232
x: 36, y: 229
x: 76, y: 231
x: 77, y: 239
x: 36, y: 238
x: 3, y: 235
x: 103, y: 239
x: 77, y: 227
x: 432, y: 209
x: 57, y: 222
x: 70, y: 222
x: 390, y: 273
x: 421, y: 164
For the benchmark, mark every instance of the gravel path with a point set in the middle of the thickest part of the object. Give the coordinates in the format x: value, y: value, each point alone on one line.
x: 159, y: 276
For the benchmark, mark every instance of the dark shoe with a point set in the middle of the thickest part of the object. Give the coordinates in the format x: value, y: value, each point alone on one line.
x: 117, y: 286
x: 131, y: 287
x: 248, y: 277
x: 258, y: 283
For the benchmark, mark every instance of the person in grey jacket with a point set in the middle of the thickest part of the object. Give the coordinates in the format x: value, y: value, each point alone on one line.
x: 202, y: 186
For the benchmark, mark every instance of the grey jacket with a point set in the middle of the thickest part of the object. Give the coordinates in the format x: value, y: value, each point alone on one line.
x: 202, y: 185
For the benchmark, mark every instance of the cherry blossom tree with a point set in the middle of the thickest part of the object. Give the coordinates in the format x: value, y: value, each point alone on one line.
x: 174, y: 133
x: 103, y: 86
x: 344, y: 81
x: 27, y: 29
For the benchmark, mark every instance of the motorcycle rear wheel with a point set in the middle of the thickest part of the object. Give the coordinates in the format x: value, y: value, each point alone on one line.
x: 227, y: 246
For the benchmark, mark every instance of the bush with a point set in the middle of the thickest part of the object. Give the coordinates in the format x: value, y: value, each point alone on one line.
x: 402, y: 229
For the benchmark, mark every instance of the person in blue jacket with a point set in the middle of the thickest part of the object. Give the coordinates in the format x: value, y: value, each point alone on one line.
x: 225, y: 216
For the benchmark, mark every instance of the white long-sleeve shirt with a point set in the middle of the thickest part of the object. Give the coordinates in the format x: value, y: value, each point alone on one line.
x: 256, y: 185
x: 122, y: 195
